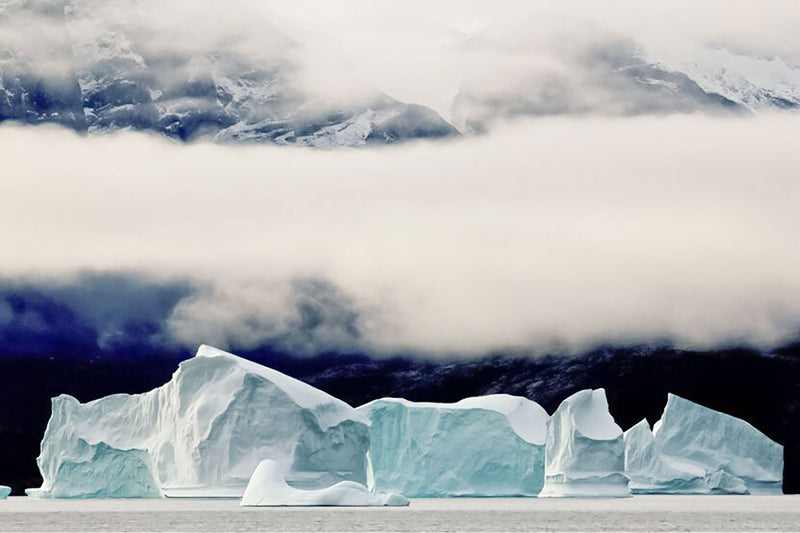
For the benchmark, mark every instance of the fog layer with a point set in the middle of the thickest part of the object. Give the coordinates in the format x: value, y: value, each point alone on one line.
x: 549, y: 235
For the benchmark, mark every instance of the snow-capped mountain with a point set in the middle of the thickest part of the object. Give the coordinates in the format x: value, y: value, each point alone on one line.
x: 72, y: 62
x: 590, y: 71
x: 107, y: 79
x: 750, y: 81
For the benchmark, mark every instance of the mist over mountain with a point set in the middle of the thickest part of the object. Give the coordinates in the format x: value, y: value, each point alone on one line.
x: 554, y: 64
x: 96, y: 72
x: 236, y: 76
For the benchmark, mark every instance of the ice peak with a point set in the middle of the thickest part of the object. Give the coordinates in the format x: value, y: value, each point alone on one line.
x: 201, y: 433
x: 206, y: 350
x: 329, y: 411
x: 591, y: 415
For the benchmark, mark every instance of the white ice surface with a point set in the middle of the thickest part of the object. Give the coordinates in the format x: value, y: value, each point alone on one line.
x: 651, y: 472
x: 526, y: 417
x: 483, y: 446
x: 203, y: 433
x: 584, y: 450
x: 692, y: 435
x: 268, y: 488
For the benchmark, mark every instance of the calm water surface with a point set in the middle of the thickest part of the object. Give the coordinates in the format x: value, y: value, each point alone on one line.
x: 641, y: 513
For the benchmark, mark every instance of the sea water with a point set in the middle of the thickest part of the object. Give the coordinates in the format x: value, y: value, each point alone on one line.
x: 653, y: 513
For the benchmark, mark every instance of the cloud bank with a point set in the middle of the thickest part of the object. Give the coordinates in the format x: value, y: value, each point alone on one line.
x: 416, y: 51
x: 550, y: 235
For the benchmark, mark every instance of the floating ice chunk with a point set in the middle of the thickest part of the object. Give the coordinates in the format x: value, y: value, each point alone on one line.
x: 584, y: 451
x: 483, y: 446
x: 202, y: 434
x: 268, y: 487
x: 4, y: 492
x: 722, y: 445
x: 651, y: 472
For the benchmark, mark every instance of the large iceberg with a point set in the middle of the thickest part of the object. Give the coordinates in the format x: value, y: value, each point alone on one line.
x: 584, y: 450
x: 694, y: 449
x: 268, y: 487
x: 483, y: 446
x: 202, y: 434
x: 4, y: 492
x: 651, y: 472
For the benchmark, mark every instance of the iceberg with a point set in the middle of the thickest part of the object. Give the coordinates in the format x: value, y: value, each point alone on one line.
x: 651, y: 472
x: 201, y: 434
x: 268, y: 487
x: 4, y: 492
x: 482, y: 446
x: 584, y: 449
x: 732, y: 455
x: 99, y: 471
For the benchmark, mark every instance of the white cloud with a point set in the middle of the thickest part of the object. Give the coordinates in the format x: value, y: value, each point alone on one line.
x: 414, y: 50
x: 567, y: 231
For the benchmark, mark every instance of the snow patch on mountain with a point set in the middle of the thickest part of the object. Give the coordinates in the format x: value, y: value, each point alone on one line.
x: 756, y: 83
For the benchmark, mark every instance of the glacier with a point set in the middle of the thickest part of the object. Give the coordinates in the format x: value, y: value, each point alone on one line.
x: 4, y: 491
x: 584, y: 449
x: 268, y: 487
x: 695, y: 449
x: 201, y: 434
x: 482, y: 446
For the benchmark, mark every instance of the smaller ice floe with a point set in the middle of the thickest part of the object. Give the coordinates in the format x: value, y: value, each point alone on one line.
x: 268, y: 488
x: 584, y: 450
x: 694, y: 449
x: 4, y: 492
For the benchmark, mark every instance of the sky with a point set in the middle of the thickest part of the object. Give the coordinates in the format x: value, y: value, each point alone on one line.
x: 548, y: 234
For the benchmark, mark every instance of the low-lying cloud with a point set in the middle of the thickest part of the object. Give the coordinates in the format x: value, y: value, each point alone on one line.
x: 549, y: 235
x: 424, y: 52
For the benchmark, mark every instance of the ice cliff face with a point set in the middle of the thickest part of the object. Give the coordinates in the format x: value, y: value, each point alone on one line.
x: 651, y: 472
x: 584, y: 450
x: 728, y: 450
x: 484, y: 446
x: 203, y: 433
x: 4, y: 492
x: 97, y: 470
x: 268, y: 488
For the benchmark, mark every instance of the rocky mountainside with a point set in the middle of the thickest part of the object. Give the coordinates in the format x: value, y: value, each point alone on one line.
x: 80, y: 68
x: 94, y: 78
x: 614, y: 75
